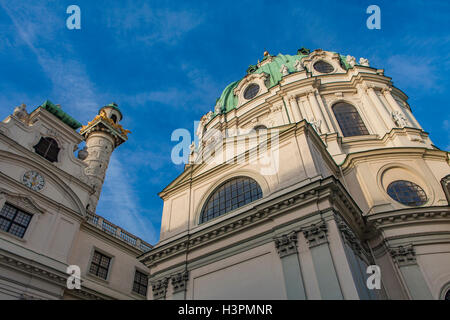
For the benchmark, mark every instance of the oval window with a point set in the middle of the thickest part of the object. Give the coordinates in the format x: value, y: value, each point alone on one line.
x: 407, y: 193
x: 251, y: 91
x: 323, y: 67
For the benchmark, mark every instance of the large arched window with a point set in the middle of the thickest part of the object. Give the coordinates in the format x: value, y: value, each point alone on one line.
x: 47, y: 148
x: 349, y: 120
x: 230, y: 195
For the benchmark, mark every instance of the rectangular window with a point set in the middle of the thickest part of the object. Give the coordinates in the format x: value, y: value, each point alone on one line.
x: 14, y: 220
x: 140, y: 283
x: 100, y: 265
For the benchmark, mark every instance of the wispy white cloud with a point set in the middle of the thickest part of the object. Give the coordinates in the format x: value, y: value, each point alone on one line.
x: 35, y: 27
x: 119, y: 202
x: 414, y: 72
x: 155, y: 25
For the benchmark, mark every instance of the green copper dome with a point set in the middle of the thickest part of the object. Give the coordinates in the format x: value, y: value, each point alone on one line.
x: 228, y: 101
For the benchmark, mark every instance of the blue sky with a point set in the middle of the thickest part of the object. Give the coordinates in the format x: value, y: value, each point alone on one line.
x: 166, y: 62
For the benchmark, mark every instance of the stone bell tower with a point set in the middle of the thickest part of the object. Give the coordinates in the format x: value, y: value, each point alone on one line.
x: 102, y: 135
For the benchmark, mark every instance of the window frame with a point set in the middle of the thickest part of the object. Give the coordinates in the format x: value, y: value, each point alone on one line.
x: 320, y: 72
x: 103, y: 253
x: 136, y: 271
x: 12, y: 222
x: 253, y: 84
x: 53, y: 142
x: 201, y: 220
x: 408, y: 204
x: 360, y: 114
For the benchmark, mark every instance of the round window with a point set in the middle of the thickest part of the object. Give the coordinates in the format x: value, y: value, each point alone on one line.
x: 251, y: 91
x: 323, y: 67
x: 407, y: 193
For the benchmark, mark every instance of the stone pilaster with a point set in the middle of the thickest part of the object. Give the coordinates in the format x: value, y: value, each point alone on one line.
x: 287, y: 249
x: 405, y: 258
x: 316, y: 235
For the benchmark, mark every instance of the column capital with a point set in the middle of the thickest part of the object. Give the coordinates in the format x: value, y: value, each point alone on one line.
x: 348, y: 235
x: 403, y: 255
x: 316, y: 234
x: 159, y: 288
x: 179, y: 280
x: 286, y: 244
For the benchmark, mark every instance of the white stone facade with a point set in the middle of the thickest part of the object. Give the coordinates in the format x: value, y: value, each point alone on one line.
x: 325, y: 213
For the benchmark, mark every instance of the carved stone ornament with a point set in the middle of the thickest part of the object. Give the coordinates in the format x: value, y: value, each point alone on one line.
x: 159, y: 288
x: 299, y: 65
x: 286, y: 244
x: 403, y: 255
x: 284, y: 70
x: 364, y: 62
x: 350, y: 60
x: 21, y: 112
x: 316, y: 125
x: 179, y: 281
x: 399, y: 119
x: 316, y: 234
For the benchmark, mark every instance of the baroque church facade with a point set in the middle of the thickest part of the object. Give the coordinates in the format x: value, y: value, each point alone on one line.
x: 309, y: 170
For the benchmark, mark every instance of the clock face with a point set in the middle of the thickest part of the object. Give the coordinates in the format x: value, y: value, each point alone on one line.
x: 33, y: 180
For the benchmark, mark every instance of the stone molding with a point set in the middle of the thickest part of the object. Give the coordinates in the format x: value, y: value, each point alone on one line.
x: 328, y: 187
x: 415, y: 215
x: 159, y: 288
x: 403, y: 255
x: 286, y: 244
x: 179, y: 281
x: 316, y: 234
x: 52, y: 276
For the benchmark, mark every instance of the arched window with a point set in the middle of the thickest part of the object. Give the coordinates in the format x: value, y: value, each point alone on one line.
x: 230, y: 195
x: 447, y: 295
x: 114, y: 118
x: 47, y: 148
x: 349, y: 120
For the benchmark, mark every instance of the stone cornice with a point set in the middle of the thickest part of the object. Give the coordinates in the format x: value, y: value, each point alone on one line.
x: 410, y: 216
x: 46, y: 273
x: 263, y: 211
x: 364, y: 156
